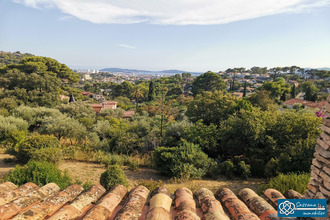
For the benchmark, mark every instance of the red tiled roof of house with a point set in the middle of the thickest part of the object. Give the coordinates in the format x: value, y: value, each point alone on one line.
x: 48, y: 202
x: 86, y: 93
x: 128, y: 114
x: 238, y: 94
x: 96, y: 107
x: 311, y: 104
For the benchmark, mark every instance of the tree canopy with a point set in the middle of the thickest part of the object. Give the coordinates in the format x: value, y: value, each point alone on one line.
x: 208, y: 81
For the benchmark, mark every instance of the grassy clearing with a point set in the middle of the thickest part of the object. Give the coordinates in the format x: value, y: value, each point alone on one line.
x: 89, y: 170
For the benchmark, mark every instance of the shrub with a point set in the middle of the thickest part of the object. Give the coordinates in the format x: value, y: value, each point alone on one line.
x: 187, y: 161
x: 227, y: 168
x: 242, y: 170
x: 26, y: 149
x: 40, y: 173
x: 134, y: 165
x: 51, y: 154
x: 114, y: 175
x: 87, y: 185
x: 271, y: 168
x: 284, y: 182
x: 11, y: 124
x: 151, y: 184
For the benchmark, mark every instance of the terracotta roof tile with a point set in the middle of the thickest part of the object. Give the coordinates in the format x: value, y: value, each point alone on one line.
x: 8, y: 196
x: 185, y: 205
x: 76, y: 207
x: 273, y: 195
x: 48, y: 202
x: 311, y: 104
x: 134, y: 206
x: 235, y: 207
x: 210, y: 207
x: 51, y: 204
x: 7, y: 186
x: 107, y: 204
x: 160, y: 205
x: 257, y: 204
x: 13, y: 208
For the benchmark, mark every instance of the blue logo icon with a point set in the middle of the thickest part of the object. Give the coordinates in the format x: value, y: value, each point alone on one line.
x: 302, y: 208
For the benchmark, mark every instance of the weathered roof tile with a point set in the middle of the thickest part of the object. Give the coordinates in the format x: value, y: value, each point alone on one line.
x: 235, y: 207
x: 132, y: 210
x: 107, y: 204
x: 160, y: 205
x: 185, y: 204
x: 51, y: 205
x: 48, y: 202
x: 211, y: 208
x: 76, y: 207
x: 7, y: 186
x: 13, y: 208
x: 8, y: 196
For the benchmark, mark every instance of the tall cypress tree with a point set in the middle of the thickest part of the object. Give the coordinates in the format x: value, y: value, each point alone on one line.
x: 293, y: 91
x: 244, y: 92
x: 151, y: 93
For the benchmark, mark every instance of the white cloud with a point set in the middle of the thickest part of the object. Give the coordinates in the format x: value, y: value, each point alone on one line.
x: 127, y: 46
x: 178, y: 12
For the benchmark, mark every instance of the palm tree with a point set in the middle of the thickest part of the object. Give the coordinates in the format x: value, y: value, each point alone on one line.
x: 137, y: 93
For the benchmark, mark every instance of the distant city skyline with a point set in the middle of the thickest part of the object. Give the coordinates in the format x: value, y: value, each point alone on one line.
x: 159, y: 35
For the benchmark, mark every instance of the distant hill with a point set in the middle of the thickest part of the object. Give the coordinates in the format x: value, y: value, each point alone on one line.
x: 11, y: 58
x: 166, y: 72
x: 324, y: 68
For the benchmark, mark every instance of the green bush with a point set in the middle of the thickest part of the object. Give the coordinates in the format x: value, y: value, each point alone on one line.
x: 284, y: 182
x: 40, y: 173
x: 151, y: 184
x: 26, y: 149
x: 50, y: 154
x: 227, y: 168
x: 187, y: 161
x: 242, y: 170
x: 271, y: 168
x: 87, y: 185
x: 114, y: 175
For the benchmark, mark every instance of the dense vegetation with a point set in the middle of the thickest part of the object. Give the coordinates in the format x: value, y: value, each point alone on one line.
x: 191, y: 128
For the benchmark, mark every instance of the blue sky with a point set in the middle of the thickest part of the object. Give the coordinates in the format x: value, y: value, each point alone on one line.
x: 192, y: 35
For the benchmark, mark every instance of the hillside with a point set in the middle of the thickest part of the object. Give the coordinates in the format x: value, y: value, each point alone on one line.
x: 11, y: 58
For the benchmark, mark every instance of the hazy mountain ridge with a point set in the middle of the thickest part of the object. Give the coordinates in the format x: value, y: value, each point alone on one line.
x: 145, y: 71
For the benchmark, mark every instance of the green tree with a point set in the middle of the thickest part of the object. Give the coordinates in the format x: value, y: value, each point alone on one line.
x: 185, y: 76
x: 64, y: 127
x: 187, y: 161
x: 244, y: 92
x: 124, y: 89
x: 276, y: 88
x: 208, y: 81
x: 77, y: 110
x: 10, y: 124
x: 214, y: 107
x: 152, y: 91
x: 138, y: 92
x: 311, y: 92
x: 293, y: 91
